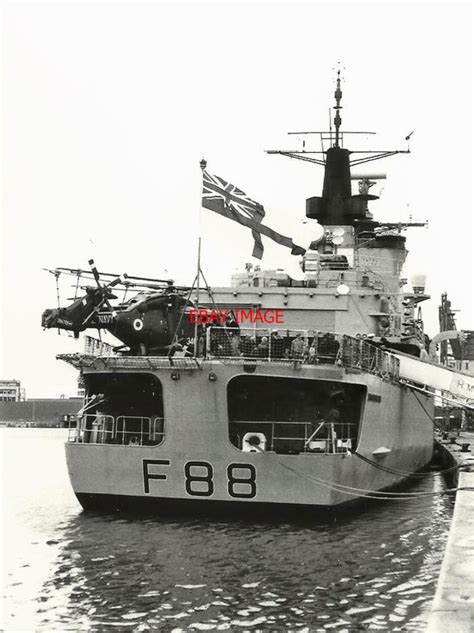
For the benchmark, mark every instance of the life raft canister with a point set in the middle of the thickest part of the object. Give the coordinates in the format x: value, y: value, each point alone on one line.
x: 254, y: 443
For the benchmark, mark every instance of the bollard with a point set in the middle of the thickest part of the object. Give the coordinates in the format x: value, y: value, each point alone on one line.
x: 465, y: 448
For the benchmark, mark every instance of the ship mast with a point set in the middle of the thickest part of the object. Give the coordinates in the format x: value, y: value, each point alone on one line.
x: 337, y: 117
x: 337, y: 205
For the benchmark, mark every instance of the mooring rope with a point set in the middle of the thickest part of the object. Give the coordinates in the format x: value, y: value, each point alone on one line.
x: 370, y: 494
x: 431, y: 418
x: 393, y: 471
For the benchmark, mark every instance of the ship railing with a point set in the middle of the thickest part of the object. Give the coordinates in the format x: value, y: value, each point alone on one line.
x: 134, y: 430
x: 270, y: 344
x: 373, y: 284
x: 96, y: 347
x: 93, y: 429
x: 122, y: 430
x: 309, y: 347
x: 119, y: 362
x: 308, y: 437
x: 357, y: 353
x: 319, y: 277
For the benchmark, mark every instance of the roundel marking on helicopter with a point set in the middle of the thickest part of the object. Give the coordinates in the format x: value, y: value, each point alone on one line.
x: 138, y: 325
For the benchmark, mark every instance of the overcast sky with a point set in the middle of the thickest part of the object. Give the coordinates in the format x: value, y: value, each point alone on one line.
x: 108, y: 108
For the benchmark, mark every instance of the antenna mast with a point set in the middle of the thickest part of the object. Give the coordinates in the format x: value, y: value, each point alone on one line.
x: 337, y: 95
x: 364, y: 156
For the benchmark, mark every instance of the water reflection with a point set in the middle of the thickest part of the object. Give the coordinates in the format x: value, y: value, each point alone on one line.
x: 374, y: 569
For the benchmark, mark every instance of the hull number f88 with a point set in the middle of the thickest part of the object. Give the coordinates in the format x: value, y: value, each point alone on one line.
x: 198, y: 480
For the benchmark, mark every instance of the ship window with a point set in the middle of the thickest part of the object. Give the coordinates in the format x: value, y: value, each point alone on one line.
x: 125, y: 409
x: 334, y: 262
x: 280, y: 414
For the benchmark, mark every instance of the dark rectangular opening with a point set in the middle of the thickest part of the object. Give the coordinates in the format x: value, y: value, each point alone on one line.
x: 285, y: 413
x: 123, y: 409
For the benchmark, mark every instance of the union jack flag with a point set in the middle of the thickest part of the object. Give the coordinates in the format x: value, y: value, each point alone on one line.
x: 227, y: 200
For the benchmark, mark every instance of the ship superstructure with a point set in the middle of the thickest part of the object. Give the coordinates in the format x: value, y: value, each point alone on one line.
x: 351, y: 276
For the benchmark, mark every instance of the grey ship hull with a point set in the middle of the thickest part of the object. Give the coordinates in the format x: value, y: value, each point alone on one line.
x: 197, y: 464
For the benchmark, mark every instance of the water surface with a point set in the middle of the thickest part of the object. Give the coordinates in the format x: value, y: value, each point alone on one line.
x: 373, y: 569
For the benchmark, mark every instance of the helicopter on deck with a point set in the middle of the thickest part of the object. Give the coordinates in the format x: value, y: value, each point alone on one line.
x: 150, y: 322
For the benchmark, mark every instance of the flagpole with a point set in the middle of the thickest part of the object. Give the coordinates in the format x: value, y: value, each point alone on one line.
x: 202, y: 164
x: 198, y: 278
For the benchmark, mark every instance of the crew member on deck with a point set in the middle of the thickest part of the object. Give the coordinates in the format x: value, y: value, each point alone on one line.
x: 297, y: 347
x: 262, y: 348
x: 277, y: 345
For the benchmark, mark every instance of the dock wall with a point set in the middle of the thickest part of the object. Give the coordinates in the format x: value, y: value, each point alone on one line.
x: 453, y: 604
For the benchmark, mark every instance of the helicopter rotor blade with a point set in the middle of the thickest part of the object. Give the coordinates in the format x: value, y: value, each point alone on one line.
x: 89, y: 316
x: 117, y: 280
x: 95, y: 272
x: 125, y: 280
x: 104, y: 291
x: 97, y: 309
x: 77, y: 271
x: 110, y: 306
x: 107, y: 294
